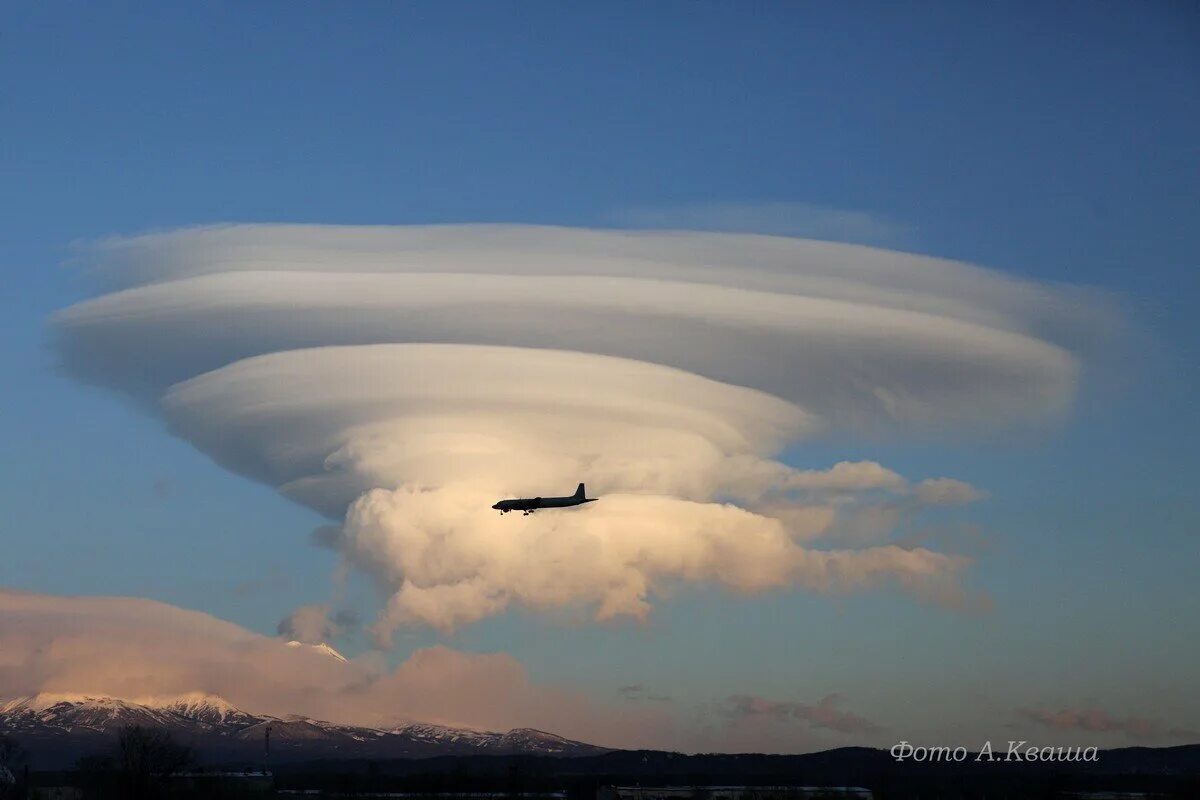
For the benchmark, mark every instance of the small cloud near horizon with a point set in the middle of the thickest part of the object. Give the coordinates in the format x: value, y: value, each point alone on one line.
x: 164, y: 488
x: 638, y: 693
x: 1096, y: 720
x: 824, y: 714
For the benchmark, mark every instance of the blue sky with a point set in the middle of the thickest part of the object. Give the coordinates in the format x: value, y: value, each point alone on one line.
x: 1054, y: 142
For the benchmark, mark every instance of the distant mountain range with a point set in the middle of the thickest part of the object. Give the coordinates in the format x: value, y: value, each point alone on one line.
x: 57, y: 729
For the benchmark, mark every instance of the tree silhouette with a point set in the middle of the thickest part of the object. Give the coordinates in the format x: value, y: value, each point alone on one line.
x: 12, y: 757
x: 147, y: 758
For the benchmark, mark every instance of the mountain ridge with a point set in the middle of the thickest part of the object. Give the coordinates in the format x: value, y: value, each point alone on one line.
x: 58, y: 727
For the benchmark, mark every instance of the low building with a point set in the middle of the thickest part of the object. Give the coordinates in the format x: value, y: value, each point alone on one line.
x: 56, y: 793
x: 1113, y: 795
x: 732, y: 793
x: 242, y: 781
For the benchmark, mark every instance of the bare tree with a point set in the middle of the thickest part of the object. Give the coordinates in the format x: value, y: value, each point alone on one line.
x: 11, y: 753
x: 147, y: 758
x: 12, y: 757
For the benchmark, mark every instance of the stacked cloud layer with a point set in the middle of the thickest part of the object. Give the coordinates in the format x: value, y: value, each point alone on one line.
x: 402, y: 379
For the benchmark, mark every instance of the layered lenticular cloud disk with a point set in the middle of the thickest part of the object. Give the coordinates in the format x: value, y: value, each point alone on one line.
x: 402, y: 379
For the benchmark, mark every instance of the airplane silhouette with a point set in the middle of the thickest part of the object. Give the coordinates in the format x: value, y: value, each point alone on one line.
x: 528, y: 505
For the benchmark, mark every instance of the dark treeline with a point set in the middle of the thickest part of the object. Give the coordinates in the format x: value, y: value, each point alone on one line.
x: 581, y: 778
x: 142, y: 764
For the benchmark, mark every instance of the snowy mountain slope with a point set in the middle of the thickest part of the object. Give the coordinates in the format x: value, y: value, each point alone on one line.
x: 70, y: 712
x: 59, y: 728
x: 320, y: 648
x: 205, y: 709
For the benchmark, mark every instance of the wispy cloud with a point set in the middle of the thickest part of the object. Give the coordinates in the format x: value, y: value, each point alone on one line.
x: 823, y: 714
x: 637, y: 693
x: 1096, y: 720
x: 311, y: 624
x: 805, y: 220
x: 947, y: 492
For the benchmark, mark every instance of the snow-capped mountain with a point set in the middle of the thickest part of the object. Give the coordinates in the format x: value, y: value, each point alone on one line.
x: 68, y: 712
x: 518, y: 740
x: 59, y: 728
x: 205, y: 709
x: 531, y: 740
x: 320, y: 648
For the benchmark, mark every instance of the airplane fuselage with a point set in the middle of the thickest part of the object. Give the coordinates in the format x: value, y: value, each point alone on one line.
x: 528, y: 505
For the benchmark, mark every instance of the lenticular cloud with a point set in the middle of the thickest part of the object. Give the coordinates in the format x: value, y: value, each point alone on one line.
x: 400, y: 380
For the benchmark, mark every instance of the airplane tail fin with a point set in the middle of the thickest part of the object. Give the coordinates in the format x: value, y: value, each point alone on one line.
x: 579, y: 493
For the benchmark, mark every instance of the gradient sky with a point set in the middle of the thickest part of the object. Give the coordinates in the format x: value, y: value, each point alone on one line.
x: 1057, y: 144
